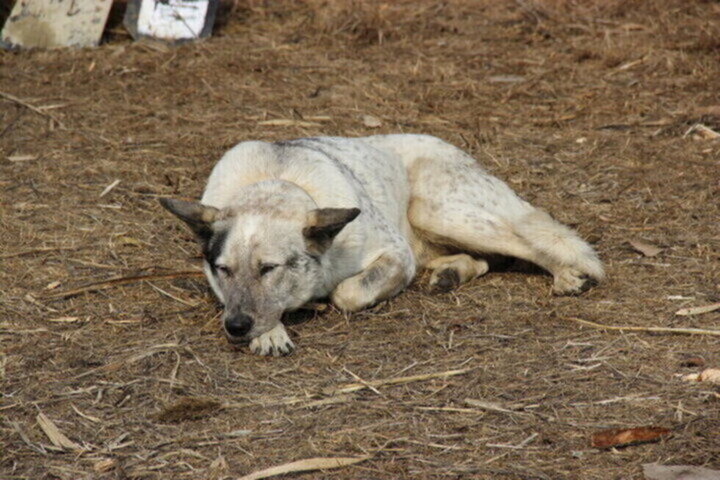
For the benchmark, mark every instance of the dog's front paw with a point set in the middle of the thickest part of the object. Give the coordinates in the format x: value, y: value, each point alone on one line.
x: 276, y: 342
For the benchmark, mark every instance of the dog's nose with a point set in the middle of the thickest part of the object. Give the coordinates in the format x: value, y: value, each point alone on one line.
x: 238, y: 325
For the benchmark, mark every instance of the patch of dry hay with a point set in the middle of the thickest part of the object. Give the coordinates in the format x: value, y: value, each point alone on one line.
x: 581, y: 107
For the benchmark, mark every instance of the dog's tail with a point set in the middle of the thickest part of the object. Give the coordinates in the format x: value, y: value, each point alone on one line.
x: 558, y: 245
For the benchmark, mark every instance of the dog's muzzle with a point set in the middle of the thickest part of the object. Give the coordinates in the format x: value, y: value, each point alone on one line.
x: 237, y: 326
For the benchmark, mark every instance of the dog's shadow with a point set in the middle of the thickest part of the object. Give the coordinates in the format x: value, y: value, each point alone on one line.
x: 303, y: 315
x: 502, y: 264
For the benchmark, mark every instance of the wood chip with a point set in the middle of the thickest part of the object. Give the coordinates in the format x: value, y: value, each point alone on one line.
x: 281, y: 122
x: 64, y: 320
x: 22, y: 158
x: 622, y: 437
x: 371, y: 122
x: 109, y: 188
x: 645, y: 248
x: 307, y: 465
x: 490, y: 406
x: 55, y: 435
x: 698, y: 310
x: 654, y: 471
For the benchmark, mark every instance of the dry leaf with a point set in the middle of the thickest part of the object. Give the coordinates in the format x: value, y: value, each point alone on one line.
x: 55, y: 435
x: 645, y: 248
x: 620, y: 437
x: 307, y: 465
x: 654, y: 471
x: 698, y: 310
x: 710, y: 375
x: 371, y: 122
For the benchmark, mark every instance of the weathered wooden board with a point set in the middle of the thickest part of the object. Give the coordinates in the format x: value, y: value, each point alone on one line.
x: 55, y: 23
x: 170, y: 20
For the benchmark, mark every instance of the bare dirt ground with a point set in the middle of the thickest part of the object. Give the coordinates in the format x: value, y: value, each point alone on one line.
x: 581, y: 107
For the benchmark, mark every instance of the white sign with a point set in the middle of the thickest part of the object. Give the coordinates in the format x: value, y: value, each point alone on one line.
x: 172, y: 19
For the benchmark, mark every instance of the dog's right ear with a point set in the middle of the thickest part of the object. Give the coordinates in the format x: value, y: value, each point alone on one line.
x: 199, y: 217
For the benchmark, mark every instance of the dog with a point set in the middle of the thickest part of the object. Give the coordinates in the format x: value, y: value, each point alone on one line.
x: 352, y: 219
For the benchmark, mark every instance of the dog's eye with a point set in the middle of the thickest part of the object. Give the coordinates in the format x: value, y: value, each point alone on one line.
x: 224, y: 269
x: 266, y: 268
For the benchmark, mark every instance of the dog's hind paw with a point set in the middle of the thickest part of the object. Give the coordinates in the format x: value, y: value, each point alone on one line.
x: 444, y: 280
x: 276, y: 342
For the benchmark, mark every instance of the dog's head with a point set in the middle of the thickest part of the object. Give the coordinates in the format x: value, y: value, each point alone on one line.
x: 262, y: 260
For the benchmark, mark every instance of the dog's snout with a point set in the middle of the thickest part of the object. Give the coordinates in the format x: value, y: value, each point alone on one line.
x: 238, y: 325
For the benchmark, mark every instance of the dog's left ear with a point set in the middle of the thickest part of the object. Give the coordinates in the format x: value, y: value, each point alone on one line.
x: 323, y: 225
x: 199, y: 217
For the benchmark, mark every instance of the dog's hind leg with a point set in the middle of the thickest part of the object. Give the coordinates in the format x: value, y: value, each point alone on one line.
x: 454, y: 203
x: 382, y: 279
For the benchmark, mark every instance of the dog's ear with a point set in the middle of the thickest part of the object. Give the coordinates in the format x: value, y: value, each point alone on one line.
x: 199, y: 217
x: 323, y: 224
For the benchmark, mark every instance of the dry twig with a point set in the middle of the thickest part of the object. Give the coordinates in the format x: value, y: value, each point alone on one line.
x: 312, y: 399
x: 307, y: 465
x: 114, y: 282
x: 689, y: 331
x: 33, y: 108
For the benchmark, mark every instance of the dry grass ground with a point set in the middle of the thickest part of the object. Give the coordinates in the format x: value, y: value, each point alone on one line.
x: 582, y: 107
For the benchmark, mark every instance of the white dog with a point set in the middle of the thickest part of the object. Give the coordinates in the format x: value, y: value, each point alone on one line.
x: 283, y: 223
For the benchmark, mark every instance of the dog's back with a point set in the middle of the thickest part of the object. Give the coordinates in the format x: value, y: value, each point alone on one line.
x: 336, y: 172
